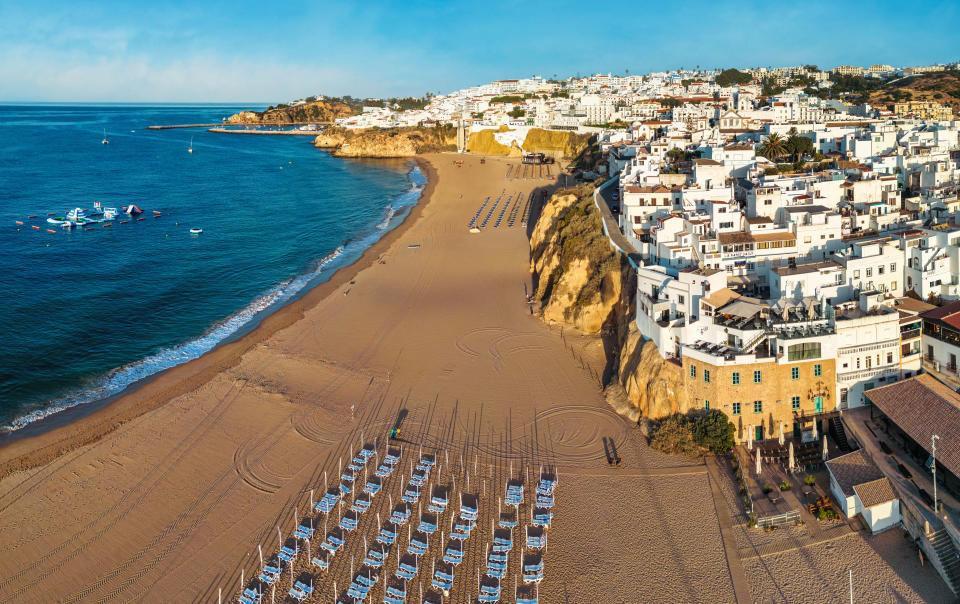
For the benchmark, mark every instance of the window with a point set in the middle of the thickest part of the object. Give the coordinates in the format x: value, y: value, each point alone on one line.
x: 856, y: 274
x: 893, y: 285
x: 893, y: 267
x: 795, y: 402
x: 869, y: 272
x: 889, y: 358
x: 736, y: 408
x: 680, y: 299
x: 795, y: 373
x: 843, y: 395
x: 858, y: 362
x: 756, y: 377
x: 706, y: 405
x: 693, y: 371
x: 868, y: 362
x: 805, y: 351
x: 880, y: 270
x: 817, y: 370
x: 736, y: 381
x: 757, y: 407
x: 706, y: 376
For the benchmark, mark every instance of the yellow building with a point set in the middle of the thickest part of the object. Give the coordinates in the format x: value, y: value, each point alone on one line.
x: 761, y: 393
x: 848, y: 70
x: 924, y: 110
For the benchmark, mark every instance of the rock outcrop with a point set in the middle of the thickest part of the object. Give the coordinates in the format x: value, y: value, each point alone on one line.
x: 377, y: 143
x: 582, y: 282
x: 577, y: 272
x: 513, y: 142
x: 317, y: 111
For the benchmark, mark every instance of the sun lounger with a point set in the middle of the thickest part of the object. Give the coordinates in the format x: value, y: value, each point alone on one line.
x: 428, y: 523
x: 376, y: 555
x: 410, y: 495
x: 395, y: 592
x: 532, y: 567
x: 433, y: 596
x: 304, y: 532
x: 536, y: 537
x: 453, y: 554
x: 250, y: 596
x: 502, y: 540
x: 419, y: 544
x: 301, y: 591
x: 490, y: 590
x: 373, y: 486
x: 387, y: 534
x: 328, y: 501
x: 407, y: 567
x: 443, y: 578
x: 322, y: 559
x: 400, y: 514
x: 287, y: 554
x: 361, y: 504
x: 350, y: 521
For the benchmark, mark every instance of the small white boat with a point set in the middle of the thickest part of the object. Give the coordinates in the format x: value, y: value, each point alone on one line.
x: 105, y: 141
x: 190, y: 150
x: 196, y: 231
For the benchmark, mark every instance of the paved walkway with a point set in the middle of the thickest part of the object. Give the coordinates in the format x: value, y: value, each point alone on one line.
x: 741, y: 587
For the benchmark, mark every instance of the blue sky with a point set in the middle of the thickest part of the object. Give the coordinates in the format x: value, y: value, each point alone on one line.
x: 243, y: 51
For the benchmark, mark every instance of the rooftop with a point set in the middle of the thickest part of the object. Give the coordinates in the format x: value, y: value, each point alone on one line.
x: 921, y: 406
x: 854, y: 469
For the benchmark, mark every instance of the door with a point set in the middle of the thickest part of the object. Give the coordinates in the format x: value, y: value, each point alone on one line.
x: 759, y: 433
x: 796, y: 429
x: 818, y: 404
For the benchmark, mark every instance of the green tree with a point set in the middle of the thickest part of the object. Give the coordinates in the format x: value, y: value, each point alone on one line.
x: 713, y: 430
x: 729, y: 77
x: 672, y: 435
x: 773, y: 147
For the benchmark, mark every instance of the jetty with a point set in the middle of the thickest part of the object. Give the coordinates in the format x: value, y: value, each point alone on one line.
x: 172, y: 126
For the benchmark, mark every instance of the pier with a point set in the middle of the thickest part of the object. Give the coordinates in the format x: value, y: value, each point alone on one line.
x: 172, y: 126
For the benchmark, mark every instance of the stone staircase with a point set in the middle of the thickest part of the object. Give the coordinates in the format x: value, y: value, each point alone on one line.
x: 947, y: 555
x: 839, y: 434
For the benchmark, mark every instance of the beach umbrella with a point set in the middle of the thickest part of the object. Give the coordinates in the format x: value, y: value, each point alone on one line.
x: 758, y: 461
x: 824, y: 447
x: 815, y: 429
x: 750, y: 437
x: 792, y: 462
x: 781, y: 435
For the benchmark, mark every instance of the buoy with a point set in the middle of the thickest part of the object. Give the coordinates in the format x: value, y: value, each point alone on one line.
x: 35, y: 227
x: 108, y: 224
x: 52, y: 214
x: 18, y: 222
x: 87, y: 229
x: 156, y: 212
x: 124, y: 221
x: 51, y: 231
x: 34, y: 216
x: 157, y: 216
x: 138, y: 219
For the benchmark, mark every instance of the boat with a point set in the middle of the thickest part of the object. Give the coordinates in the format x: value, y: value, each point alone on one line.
x: 105, y: 141
x: 190, y: 150
x: 196, y: 231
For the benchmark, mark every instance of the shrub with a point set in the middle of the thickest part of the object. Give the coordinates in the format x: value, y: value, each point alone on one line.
x: 785, y: 486
x: 810, y: 480
x: 713, y: 430
x: 673, y: 436
x: 767, y: 488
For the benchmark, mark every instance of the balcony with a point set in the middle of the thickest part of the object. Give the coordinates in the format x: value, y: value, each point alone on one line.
x: 910, y: 334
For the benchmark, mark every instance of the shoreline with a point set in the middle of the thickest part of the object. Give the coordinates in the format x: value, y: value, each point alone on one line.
x: 49, y: 438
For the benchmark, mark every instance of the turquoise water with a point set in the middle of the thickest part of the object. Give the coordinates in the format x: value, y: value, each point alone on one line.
x: 88, y: 312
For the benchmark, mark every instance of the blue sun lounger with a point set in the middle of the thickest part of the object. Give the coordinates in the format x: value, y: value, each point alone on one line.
x: 304, y: 532
x: 269, y: 574
x: 439, y: 499
x: 350, y: 521
x: 348, y: 475
x: 419, y: 543
x: 462, y: 529
x: 328, y: 501
x: 453, y: 554
x: 410, y: 495
x: 376, y: 555
x: 322, y: 559
x: 287, y: 554
x: 502, y: 540
x: 301, y: 591
x: 346, y: 488
x: 428, y: 523
x: 387, y: 534
x: 514, y: 494
x: 489, y: 590
x: 250, y: 596
x: 443, y: 577
x: 419, y: 478
x: 400, y: 514
x: 361, y: 504
x: 469, y: 507
x: 396, y: 591
x: 373, y: 486
x: 532, y: 567
x: 542, y: 517
x: 536, y: 537
x: 407, y: 568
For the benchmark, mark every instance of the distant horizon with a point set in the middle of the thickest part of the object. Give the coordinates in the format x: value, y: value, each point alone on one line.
x: 180, y: 52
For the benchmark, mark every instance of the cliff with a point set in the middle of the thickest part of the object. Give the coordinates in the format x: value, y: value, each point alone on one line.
x: 377, y: 143
x: 514, y: 142
x: 941, y: 87
x: 317, y: 111
x: 578, y: 280
x: 582, y: 282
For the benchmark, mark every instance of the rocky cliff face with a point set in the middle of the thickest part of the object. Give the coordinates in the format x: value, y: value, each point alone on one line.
x: 583, y: 282
x: 399, y: 142
x: 578, y: 273
x: 318, y: 111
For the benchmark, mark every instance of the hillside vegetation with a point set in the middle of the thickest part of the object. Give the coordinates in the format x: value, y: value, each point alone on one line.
x: 942, y: 87
x: 316, y: 111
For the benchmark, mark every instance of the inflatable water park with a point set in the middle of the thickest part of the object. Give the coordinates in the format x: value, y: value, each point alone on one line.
x: 87, y: 218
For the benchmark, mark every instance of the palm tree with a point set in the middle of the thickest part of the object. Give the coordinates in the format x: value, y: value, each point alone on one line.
x: 773, y: 147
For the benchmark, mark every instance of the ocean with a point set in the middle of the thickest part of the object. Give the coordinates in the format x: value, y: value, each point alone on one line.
x: 86, y: 313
